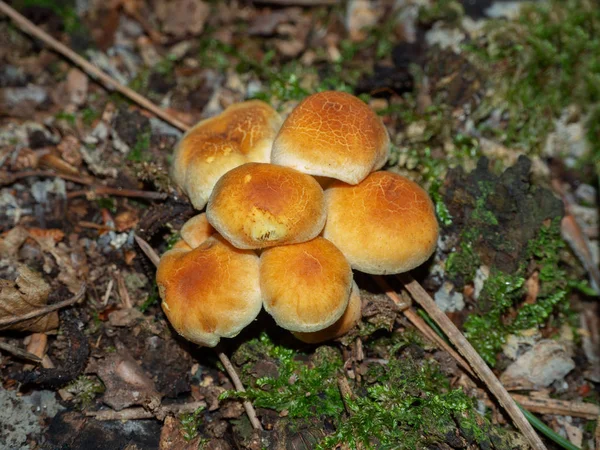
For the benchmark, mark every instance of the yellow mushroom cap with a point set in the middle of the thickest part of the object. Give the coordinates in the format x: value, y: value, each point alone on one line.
x: 344, y: 324
x: 332, y: 134
x: 196, y: 230
x: 306, y: 287
x: 210, y: 292
x: 262, y: 205
x: 243, y: 133
x: 385, y: 224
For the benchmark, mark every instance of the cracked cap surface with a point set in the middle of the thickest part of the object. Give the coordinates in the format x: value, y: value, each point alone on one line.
x: 262, y: 205
x: 332, y: 134
x: 211, y: 291
x: 243, y: 133
x: 385, y: 224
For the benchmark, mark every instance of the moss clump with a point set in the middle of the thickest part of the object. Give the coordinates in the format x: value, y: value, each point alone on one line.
x: 409, y: 405
x: 545, y: 60
x: 190, y: 423
x: 85, y: 389
x: 503, y: 292
x: 302, y: 390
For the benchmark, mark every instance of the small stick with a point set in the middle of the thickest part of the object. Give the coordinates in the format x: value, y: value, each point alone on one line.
x: 119, y: 192
x: 240, y: 387
x: 89, y: 68
x: 153, y: 256
x: 148, y: 250
x: 45, y: 309
x: 347, y: 394
x: 420, y: 324
x: 7, y: 179
x: 588, y: 411
x: 479, y: 366
x: 141, y: 413
x: 19, y: 352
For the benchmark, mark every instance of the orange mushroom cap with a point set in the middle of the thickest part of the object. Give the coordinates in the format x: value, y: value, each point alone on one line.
x: 344, y: 324
x: 262, y: 205
x: 332, y: 134
x: 385, y: 224
x: 306, y: 287
x: 196, y: 230
x: 209, y: 292
x: 243, y: 133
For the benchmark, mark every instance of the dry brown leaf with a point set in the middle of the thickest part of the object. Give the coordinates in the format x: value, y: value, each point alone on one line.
x: 11, y: 242
x: 29, y: 292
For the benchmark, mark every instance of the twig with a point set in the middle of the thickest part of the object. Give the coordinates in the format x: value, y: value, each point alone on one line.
x: 153, y: 256
x: 19, y: 352
x: 142, y: 413
x: 89, y: 68
x: 588, y: 411
x: 420, y: 324
x: 347, y: 394
x: 45, y: 309
x: 239, y: 387
x: 119, y: 192
x: 9, y: 178
x: 479, y: 366
x: 148, y: 250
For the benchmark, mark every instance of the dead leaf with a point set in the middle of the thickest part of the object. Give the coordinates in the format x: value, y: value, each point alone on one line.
x: 11, y: 242
x: 182, y: 17
x: 29, y: 292
x: 125, y: 381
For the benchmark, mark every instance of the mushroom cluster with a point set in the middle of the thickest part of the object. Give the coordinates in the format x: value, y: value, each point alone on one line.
x: 292, y: 207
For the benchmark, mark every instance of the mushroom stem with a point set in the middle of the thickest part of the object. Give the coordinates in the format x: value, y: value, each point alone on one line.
x: 153, y: 256
x: 479, y: 366
x: 240, y: 387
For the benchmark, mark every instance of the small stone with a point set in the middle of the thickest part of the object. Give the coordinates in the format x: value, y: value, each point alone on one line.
x: 448, y: 300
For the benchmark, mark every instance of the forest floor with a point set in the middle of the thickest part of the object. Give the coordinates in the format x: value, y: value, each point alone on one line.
x: 494, y: 108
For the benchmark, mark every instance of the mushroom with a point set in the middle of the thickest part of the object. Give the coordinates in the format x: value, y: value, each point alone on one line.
x: 262, y: 205
x: 385, y: 224
x: 306, y: 287
x: 349, y: 319
x: 209, y: 292
x: 332, y: 134
x: 196, y: 230
x: 242, y: 133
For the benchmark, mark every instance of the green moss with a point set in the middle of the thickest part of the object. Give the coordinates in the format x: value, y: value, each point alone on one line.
x: 108, y: 203
x: 503, y: 292
x: 88, y: 115
x: 152, y: 299
x: 409, y: 406
x: 85, y: 388
x: 190, y: 423
x: 464, y: 262
x: 487, y: 332
x: 138, y: 152
x: 299, y: 389
x: 545, y: 60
